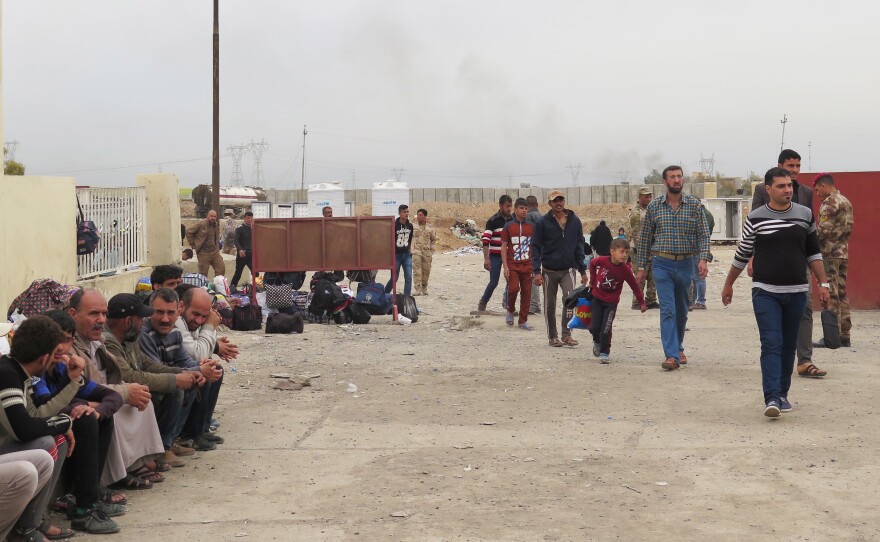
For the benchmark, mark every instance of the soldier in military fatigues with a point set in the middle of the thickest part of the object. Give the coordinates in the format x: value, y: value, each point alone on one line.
x: 834, y: 230
x: 424, y: 238
x: 636, y: 215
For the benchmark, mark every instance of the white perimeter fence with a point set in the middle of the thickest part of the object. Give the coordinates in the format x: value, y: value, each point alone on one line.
x: 120, y: 215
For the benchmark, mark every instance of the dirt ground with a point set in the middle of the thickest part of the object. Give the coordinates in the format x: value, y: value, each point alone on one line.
x: 423, y: 432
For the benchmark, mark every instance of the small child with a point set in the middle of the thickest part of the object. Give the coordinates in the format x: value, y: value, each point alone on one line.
x: 607, y: 274
x: 516, y: 260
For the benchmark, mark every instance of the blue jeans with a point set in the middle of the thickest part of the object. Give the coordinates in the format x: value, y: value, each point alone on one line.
x: 699, y: 284
x: 494, y: 277
x: 779, y: 318
x: 673, y: 280
x: 401, y: 259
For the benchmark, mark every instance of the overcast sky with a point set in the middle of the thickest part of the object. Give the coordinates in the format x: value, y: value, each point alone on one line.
x: 457, y: 93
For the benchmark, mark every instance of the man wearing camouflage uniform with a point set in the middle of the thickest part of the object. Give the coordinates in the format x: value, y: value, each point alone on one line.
x: 834, y: 230
x: 424, y: 238
x: 229, y: 226
x: 636, y: 215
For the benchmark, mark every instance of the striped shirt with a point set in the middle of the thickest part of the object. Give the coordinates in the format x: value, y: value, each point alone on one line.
x: 783, y: 243
x: 674, y: 231
x: 492, y: 235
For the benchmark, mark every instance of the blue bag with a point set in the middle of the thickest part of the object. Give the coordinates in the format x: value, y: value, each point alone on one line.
x: 371, y: 296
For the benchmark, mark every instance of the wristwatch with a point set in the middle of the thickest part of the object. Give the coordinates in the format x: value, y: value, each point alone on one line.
x: 824, y: 285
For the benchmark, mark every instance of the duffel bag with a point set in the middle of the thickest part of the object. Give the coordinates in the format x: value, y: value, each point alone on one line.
x: 284, y: 323
x: 247, y: 318
x: 371, y: 295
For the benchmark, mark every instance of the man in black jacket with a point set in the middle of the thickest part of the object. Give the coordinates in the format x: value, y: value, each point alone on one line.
x: 557, y: 249
x: 244, y: 249
x: 790, y: 161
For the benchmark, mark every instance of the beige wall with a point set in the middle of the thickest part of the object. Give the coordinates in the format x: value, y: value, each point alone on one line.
x: 38, y: 236
x: 163, y: 218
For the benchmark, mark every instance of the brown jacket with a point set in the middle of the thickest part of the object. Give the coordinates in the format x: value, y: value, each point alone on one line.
x: 140, y: 369
x: 197, y: 234
x: 102, y: 360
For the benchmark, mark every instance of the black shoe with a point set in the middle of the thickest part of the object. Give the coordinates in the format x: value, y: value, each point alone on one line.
x: 212, y: 438
x: 845, y: 343
x: 654, y: 305
x: 202, y: 444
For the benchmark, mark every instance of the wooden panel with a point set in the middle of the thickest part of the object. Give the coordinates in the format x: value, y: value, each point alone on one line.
x: 341, y: 244
x: 272, y: 233
x: 306, y: 243
x: 377, y: 243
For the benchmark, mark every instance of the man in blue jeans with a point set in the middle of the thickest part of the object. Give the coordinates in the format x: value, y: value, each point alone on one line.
x: 492, y: 247
x: 673, y: 232
x: 403, y: 237
x: 782, y: 238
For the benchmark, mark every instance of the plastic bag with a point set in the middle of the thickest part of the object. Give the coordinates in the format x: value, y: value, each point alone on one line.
x: 583, y: 315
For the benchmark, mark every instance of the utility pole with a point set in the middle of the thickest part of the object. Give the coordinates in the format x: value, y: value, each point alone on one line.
x: 215, y: 153
x: 784, y: 121
x: 810, y: 156
x: 302, y: 185
x: 575, y: 172
x: 353, y: 178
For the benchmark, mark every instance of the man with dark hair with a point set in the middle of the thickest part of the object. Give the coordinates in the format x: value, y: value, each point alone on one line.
x: 533, y: 217
x: 166, y: 276
x: 802, y: 194
x: 136, y: 439
x: 600, y: 239
x: 187, y: 254
x: 424, y: 238
x: 125, y: 319
x: 244, y: 249
x: 834, y: 230
x: 636, y: 215
x: 673, y: 232
x: 403, y: 238
x: 557, y: 250
x: 162, y: 341
x: 780, y: 238
x: 327, y: 211
x: 492, y: 248
x: 516, y: 260
x: 204, y: 238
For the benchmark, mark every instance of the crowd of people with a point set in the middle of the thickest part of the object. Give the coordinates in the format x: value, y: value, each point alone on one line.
x: 118, y: 390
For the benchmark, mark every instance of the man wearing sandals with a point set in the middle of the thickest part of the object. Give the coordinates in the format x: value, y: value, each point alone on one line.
x: 673, y: 232
x: 557, y: 250
x: 790, y: 161
x: 782, y: 238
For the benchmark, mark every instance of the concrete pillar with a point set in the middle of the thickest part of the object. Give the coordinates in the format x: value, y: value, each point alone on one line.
x: 38, y: 239
x: 585, y: 194
x: 163, y: 218
x: 416, y: 194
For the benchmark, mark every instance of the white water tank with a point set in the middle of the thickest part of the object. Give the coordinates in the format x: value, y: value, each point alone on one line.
x: 323, y: 194
x: 387, y: 196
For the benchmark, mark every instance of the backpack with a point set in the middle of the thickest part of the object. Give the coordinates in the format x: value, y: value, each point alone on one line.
x: 87, y: 237
x: 196, y: 279
x: 284, y: 323
x: 295, y: 280
x: 247, y: 318
x: 358, y: 314
x: 371, y: 296
x: 361, y: 275
x: 326, y: 297
x: 406, y: 305
x: 42, y: 295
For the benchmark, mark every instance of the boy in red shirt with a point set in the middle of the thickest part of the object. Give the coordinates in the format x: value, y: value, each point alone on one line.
x: 516, y: 261
x: 607, y: 274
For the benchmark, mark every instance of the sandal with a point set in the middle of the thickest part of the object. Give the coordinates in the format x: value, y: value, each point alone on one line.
x: 682, y: 359
x: 133, y: 483
x: 555, y: 342
x: 670, y: 364
x: 809, y: 370
x: 150, y: 476
x: 568, y: 341
x: 46, y: 527
x: 157, y: 465
x: 112, y: 496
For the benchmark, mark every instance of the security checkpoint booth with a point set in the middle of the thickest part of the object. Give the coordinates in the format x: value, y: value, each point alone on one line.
x: 729, y: 215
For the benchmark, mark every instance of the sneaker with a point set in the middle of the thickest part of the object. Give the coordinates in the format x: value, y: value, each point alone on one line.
x: 481, y: 306
x: 784, y: 405
x: 202, y: 444
x: 526, y: 326
x: 604, y: 359
x: 772, y: 409
x: 213, y: 425
x: 595, y: 349
x: 95, y: 522
x: 213, y: 438
x: 111, y: 510
x: 509, y: 318
x: 180, y: 451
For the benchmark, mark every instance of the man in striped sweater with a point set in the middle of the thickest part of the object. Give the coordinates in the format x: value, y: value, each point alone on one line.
x: 492, y: 247
x: 782, y: 238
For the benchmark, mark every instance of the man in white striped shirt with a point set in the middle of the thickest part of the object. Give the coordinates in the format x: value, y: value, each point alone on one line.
x: 782, y: 238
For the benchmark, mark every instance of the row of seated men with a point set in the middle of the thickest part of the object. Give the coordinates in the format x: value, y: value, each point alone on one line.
x: 120, y: 390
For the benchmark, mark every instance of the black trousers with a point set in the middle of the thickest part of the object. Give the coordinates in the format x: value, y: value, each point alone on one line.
x: 240, y: 263
x: 89, y: 457
x: 603, y: 319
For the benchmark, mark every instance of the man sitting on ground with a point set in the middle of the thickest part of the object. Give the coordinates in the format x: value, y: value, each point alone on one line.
x: 167, y: 384
x: 163, y: 342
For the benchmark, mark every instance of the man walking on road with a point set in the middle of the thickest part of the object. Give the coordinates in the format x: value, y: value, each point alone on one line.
x: 782, y: 238
x: 635, y: 220
x: 557, y: 250
x: 204, y: 238
x: 790, y: 161
x: 533, y: 217
x: 673, y: 232
x: 492, y: 247
x: 244, y: 250
x: 834, y: 230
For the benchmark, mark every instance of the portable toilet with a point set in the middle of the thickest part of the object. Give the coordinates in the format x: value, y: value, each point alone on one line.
x: 387, y: 196
x: 326, y: 194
